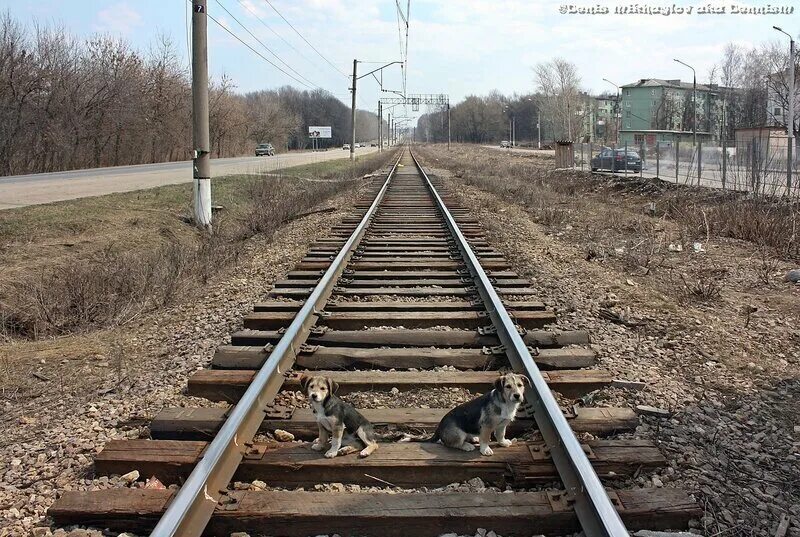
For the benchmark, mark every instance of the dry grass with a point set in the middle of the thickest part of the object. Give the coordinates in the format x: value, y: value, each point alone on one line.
x: 144, y: 266
x: 529, y: 180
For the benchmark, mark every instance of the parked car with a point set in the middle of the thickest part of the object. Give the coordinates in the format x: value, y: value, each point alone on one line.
x: 346, y: 146
x: 616, y: 160
x: 265, y: 150
x: 505, y: 144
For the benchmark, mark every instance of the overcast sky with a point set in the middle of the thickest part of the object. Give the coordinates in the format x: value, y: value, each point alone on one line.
x: 460, y: 47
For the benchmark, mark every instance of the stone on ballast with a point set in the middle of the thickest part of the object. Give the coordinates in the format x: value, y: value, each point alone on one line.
x: 652, y: 411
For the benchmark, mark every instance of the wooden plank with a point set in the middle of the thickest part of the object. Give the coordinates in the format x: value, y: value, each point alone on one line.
x: 203, y: 423
x: 253, y: 357
x: 410, y: 464
x: 396, y: 274
x: 354, y: 320
x: 422, y: 292
x: 505, y: 282
x: 414, y: 338
x: 375, y: 255
x: 398, y: 305
x: 229, y: 384
x: 301, y: 513
x: 400, y: 263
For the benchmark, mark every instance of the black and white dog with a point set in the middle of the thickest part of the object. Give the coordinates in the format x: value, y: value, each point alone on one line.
x: 335, y: 418
x: 487, y: 414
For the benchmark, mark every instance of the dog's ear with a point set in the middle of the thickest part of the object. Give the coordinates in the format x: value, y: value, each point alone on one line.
x: 304, y: 380
x: 333, y: 386
x: 498, y: 384
x: 526, y: 380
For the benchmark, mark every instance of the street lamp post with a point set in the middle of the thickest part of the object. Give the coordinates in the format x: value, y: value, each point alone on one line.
x: 694, y: 101
x: 790, y: 119
x: 616, y: 112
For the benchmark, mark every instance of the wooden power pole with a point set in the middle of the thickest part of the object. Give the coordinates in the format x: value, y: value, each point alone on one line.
x: 201, y: 158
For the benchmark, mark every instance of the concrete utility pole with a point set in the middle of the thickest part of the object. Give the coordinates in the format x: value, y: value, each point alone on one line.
x: 539, y: 126
x: 201, y: 158
x: 790, y: 119
x: 380, y: 127
x: 694, y: 102
x: 353, y: 113
x: 389, y: 128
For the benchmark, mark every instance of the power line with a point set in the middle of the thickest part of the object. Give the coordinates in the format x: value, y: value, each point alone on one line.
x: 254, y: 14
x: 265, y: 46
x: 257, y: 52
x: 304, y: 39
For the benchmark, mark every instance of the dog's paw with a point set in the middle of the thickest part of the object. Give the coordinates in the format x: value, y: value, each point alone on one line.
x: 331, y: 453
x: 347, y: 450
x: 505, y: 442
x: 487, y: 451
x: 316, y: 446
x: 467, y: 447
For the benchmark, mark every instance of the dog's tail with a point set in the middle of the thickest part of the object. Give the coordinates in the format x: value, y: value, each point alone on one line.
x: 408, y: 437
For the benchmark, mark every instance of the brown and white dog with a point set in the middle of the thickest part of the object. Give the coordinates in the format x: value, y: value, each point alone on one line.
x: 339, y: 422
x: 487, y: 414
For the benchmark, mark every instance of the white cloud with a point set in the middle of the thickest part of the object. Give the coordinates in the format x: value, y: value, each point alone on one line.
x: 118, y: 19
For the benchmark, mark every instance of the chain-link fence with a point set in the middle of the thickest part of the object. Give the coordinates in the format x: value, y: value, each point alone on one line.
x: 756, y: 165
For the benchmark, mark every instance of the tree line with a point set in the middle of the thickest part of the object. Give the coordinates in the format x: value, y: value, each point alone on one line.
x: 69, y: 103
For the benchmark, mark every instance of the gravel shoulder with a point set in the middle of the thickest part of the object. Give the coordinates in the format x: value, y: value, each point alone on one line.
x: 726, y: 367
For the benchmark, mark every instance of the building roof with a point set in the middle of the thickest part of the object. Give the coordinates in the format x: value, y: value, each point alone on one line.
x: 662, y: 131
x: 660, y: 83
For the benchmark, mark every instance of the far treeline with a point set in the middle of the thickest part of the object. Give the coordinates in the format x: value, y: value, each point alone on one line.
x: 68, y: 103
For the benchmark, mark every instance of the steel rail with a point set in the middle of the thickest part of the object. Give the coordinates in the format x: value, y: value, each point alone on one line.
x: 190, y: 510
x: 585, y: 492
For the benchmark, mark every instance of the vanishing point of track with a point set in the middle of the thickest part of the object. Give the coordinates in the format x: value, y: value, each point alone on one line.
x: 405, y: 285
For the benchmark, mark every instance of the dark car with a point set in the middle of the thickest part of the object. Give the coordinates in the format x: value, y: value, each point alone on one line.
x: 265, y: 150
x: 616, y: 160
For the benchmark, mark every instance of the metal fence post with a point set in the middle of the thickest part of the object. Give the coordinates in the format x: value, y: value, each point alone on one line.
x: 658, y: 161
x: 724, y: 162
x: 677, y: 158
x: 625, y: 159
x: 641, y: 164
x: 699, y: 162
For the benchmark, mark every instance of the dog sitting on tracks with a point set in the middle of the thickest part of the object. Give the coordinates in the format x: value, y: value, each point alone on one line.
x: 339, y: 422
x: 476, y: 420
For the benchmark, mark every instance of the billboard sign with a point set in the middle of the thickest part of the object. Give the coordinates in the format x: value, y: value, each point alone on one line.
x: 319, y: 132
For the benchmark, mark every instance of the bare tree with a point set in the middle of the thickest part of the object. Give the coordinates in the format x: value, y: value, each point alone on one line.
x: 558, y: 86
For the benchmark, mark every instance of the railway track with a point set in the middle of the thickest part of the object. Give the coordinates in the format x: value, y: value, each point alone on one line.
x: 405, y: 285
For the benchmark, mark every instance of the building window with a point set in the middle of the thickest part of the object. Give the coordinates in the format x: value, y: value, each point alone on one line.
x: 627, y: 93
x: 627, y: 113
x: 778, y: 111
x: 653, y: 92
x: 638, y: 139
x: 627, y: 104
x: 654, y: 103
x: 627, y: 124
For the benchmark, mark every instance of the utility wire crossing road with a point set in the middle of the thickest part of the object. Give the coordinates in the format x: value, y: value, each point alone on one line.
x: 35, y: 189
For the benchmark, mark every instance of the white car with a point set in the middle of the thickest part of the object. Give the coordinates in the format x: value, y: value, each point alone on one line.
x: 346, y: 146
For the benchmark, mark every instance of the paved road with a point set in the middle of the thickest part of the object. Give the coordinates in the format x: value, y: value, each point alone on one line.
x: 34, y: 189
